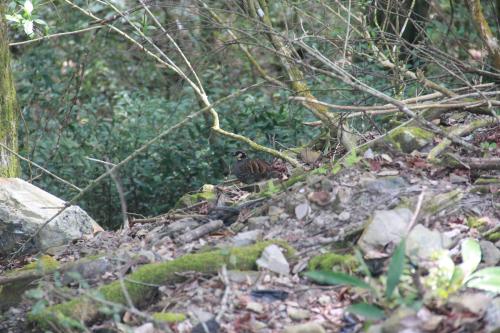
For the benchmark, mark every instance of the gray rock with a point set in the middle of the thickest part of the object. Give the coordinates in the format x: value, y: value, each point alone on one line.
x: 422, y: 243
x: 243, y: 276
x: 492, y: 316
x: 344, y: 216
x: 258, y: 222
x: 305, y: 328
x: 274, y: 213
x: 327, y: 185
x: 24, y: 208
x: 491, y: 254
x: 255, y: 307
x: 456, y: 179
x: 247, y: 237
x: 297, y: 314
x: 273, y: 259
x: 384, y: 185
x: 386, y: 226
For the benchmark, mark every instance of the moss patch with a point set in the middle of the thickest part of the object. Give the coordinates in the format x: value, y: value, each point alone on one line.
x: 494, y: 237
x: 44, y: 263
x: 329, y: 261
x: 169, y: 317
x: 408, y: 139
x: 139, y: 284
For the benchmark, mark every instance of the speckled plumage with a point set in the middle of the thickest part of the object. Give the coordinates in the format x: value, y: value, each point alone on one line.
x: 251, y: 170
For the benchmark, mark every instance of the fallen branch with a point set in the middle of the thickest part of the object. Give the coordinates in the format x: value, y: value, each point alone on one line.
x: 200, y: 231
x: 141, y: 284
x: 463, y: 130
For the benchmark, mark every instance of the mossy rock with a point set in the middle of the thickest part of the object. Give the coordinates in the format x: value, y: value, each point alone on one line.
x: 331, y: 260
x: 408, y: 139
x: 494, y: 237
x: 169, y: 317
x: 188, y: 200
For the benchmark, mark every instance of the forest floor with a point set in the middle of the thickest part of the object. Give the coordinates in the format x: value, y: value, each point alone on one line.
x: 368, y: 205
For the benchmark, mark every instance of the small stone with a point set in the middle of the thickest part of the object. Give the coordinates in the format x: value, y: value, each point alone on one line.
x: 297, y: 314
x: 476, y: 303
x: 258, y: 222
x: 257, y: 325
x: 249, y: 277
x: 273, y: 259
x: 456, y: 179
x: 320, y: 198
x: 344, y: 216
x: 324, y: 300
x: 305, y: 328
x: 302, y: 210
x: 145, y: 328
x: 247, y: 237
x: 255, y: 307
x: 274, y: 213
x: 327, y: 185
x: 491, y: 254
x: 492, y: 316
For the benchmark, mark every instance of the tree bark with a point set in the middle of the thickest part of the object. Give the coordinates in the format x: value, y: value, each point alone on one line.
x: 9, y: 163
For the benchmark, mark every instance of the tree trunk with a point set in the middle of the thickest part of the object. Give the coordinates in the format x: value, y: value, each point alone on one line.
x: 9, y: 164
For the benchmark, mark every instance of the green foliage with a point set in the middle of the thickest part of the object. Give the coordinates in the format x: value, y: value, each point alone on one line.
x: 334, y: 278
x: 446, y: 278
x: 395, y: 270
x: 366, y: 310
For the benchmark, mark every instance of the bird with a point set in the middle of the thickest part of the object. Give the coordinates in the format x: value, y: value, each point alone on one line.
x: 251, y: 170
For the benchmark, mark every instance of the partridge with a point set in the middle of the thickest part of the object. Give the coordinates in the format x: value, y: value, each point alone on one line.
x: 251, y: 170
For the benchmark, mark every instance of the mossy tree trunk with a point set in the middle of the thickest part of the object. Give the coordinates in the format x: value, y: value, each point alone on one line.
x: 484, y: 30
x: 9, y: 164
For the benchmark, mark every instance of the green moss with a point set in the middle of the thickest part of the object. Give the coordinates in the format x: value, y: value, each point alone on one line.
x: 407, y: 139
x: 190, y: 199
x: 169, y: 317
x: 475, y: 222
x: 45, y: 263
x: 141, y: 284
x: 442, y: 201
x: 329, y: 261
x: 494, y: 237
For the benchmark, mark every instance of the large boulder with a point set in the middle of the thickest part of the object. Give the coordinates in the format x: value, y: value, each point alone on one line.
x: 25, y: 207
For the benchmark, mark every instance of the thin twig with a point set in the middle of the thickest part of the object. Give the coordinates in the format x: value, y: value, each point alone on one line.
x: 41, y: 168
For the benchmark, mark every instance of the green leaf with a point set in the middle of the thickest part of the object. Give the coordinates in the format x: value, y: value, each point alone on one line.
x: 28, y: 27
x: 333, y: 278
x: 28, y: 7
x: 471, y: 256
x: 35, y: 293
x: 396, y: 267
x: 352, y: 158
x: 366, y: 310
x: 13, y: 18
x: 486, y: 279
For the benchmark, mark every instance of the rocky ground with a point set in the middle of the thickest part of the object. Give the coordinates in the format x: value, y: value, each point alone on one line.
x: 369, y: 205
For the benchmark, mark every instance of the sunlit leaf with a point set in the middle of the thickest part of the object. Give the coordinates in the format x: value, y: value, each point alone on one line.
x: 334, y: 278
x: 28, y: 7
x: 486, y: 279
x: 471, y: 256
x: 395, y: 270
x: 28, y: 27
x: 366, y: 310
x: 13, y: 18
